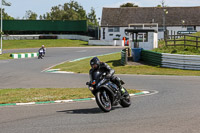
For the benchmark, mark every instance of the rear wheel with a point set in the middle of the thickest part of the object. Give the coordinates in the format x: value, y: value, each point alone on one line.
x: 103, y: 101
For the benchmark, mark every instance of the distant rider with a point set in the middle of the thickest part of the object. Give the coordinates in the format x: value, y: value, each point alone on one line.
x: 42, y: 51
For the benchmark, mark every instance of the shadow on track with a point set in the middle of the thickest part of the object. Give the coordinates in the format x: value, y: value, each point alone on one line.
x: 84, y: 111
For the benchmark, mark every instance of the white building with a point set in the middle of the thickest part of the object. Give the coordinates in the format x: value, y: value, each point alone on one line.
x: 174, y: 20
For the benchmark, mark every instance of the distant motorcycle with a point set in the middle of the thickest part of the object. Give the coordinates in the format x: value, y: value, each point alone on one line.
x: 41, y: 54
x: 107, y: 93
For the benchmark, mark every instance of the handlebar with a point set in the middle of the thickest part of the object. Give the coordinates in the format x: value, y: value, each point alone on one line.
x: 88, y: 83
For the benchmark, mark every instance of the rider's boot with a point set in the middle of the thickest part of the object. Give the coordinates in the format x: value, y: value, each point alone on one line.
x: 122, y: 90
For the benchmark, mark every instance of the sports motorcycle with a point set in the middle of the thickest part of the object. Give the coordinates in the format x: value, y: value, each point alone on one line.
x: 108, y: 94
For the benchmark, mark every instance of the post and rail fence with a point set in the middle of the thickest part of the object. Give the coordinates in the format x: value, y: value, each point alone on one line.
x: 183, y: 40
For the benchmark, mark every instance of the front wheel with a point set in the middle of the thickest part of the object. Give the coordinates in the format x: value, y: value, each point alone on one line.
x: 125, y: 100
x: 103, y: 101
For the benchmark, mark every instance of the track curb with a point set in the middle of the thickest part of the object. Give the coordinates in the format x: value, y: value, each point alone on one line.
x: 65, y: 101
x: 24, y: 55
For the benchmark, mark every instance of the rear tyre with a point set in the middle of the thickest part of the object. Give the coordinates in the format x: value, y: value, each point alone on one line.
x: 103, y: 101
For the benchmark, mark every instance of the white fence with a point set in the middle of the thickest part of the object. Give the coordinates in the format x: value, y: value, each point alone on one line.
x: 20, y: 37
x: 33, y: 37
x: 74, y: 37
x: 106, y: 43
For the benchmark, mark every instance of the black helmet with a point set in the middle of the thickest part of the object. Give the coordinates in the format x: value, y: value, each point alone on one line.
x: 94, y: 61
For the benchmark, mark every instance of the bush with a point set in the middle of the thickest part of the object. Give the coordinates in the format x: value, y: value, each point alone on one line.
x: 173, y: 51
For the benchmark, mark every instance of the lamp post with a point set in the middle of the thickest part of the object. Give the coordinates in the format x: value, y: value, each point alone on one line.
x: 98, y: 27
x: 164, y: 19
x: 5, y: 4
x: 1, y: 26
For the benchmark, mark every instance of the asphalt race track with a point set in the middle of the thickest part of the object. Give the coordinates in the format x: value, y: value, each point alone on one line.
x: 173, y: 108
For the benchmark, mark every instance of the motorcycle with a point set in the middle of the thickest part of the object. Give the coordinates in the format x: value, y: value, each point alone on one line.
x: 108, y: 94
x: 41, y: 54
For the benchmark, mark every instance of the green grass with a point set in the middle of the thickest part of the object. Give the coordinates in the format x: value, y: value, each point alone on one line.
x: 5, y: 56
x: 114, y: 62
x: 18, y: 44
x: 178, y: 50
x: 45, y: 94
x: 83, y: 66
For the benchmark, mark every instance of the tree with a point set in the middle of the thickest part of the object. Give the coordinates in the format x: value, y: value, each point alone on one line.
x: 6, y: 16
x: 128, y: 5
x: 68, y: 11
x: 56, y: 13
x: 30, y: 15
x: 162, y: 4
x: 91, y: 17
x: 40, y: 17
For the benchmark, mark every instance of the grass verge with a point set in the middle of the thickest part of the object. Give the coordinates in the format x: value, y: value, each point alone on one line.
x: 5, y: 56
x: 178, y: 50
x: 18, y: 44
x: 45, y: 94
x: 113, y: 61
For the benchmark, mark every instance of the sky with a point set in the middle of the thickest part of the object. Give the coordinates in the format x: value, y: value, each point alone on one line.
x: 40, y: 7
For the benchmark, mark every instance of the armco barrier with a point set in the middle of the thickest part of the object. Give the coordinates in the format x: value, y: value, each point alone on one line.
x: 189, y: 62
x: 152, y: 58
x: 24, y: 55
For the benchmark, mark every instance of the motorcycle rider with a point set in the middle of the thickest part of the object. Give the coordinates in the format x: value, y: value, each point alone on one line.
x: 96, y: 64
x: 43, y: 48
x: 42, y: 51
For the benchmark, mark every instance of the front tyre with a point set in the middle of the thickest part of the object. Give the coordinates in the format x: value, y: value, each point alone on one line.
x: 103, y: 101
x: 125, y: 100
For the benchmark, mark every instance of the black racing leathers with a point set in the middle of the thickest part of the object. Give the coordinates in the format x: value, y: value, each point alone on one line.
x: 42, y: 49
x: 103, y: 67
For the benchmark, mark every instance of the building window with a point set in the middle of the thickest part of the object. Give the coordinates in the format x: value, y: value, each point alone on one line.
x: 110, y: 29
x: 142, y: 37
x: 160, y: 29
x: 113, y: 29
x: 190, y: 28
x: 116, y: 29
